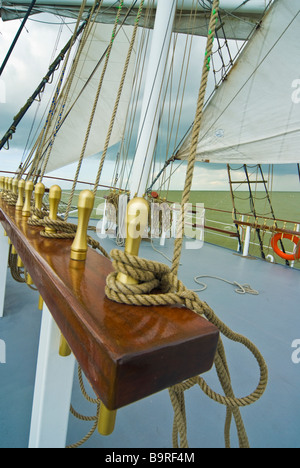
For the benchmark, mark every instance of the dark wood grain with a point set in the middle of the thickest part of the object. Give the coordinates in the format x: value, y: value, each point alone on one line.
x: 126, y: 352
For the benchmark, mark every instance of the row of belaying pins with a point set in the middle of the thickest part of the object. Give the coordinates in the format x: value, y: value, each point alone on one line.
x: 19, y: 193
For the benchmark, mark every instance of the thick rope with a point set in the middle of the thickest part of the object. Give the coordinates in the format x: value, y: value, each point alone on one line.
x: 154, y: 275
x: 64, y: 230
x: 195, y: 133
x: 77, y: 415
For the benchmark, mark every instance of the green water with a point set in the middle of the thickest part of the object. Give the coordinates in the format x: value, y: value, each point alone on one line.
x: 219, y: 215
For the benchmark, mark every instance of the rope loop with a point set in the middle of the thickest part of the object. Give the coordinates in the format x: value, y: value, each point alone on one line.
x: 153, y: 275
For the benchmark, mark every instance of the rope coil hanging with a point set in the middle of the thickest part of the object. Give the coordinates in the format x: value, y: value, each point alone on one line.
x: 156, y: 275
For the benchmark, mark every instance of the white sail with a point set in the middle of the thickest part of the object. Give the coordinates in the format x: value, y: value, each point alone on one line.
x: 254, y: 116
x: 69, y: 140
x: 238, y: 17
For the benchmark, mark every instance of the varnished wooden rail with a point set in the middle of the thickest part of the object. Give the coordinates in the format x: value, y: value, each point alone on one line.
x: 126, y: 352
x: 267, y: 228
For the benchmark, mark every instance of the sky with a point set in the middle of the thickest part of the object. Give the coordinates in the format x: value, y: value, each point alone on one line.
x: 29, y: 62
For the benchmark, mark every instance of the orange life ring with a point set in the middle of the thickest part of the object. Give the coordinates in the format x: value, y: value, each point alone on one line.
x: 291, y: 237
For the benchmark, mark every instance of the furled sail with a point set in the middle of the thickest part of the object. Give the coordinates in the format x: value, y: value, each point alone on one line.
x: 254, y: 116
x: 69, y: 139
x: 238, y: 17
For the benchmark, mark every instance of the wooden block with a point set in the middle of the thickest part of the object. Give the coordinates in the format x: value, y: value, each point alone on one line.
x: 126, y: 352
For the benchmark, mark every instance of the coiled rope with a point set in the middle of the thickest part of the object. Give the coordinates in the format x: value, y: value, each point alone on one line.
x: 152, y: 275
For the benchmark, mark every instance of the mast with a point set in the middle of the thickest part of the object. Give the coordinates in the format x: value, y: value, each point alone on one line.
x: 149, y: 121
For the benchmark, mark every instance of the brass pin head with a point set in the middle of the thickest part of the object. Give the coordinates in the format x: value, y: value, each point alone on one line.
x: 136, y: 222
x: 85, y: 206
x: 2, y: 183
x: 38, y: 197
x: 28, y: 193
x: 5, y: 183
x: 54, y: 199
x: 20, y: 201
x: 15, y: 183
x: 9, y: 183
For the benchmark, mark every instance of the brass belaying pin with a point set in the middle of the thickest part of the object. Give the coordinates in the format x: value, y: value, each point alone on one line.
x: 39, y: 191
x: 1, y: 184
x: 29, y: 280
x: 5, y: 186
x: 85, y: 206
x: 54, y: 199
x: 79, y: 247
x: 106, y: 420
x: 136, y: 222
x: 41, y: 303
x: 15, y: 183
x: 28, y: 193
x: 20, y: 201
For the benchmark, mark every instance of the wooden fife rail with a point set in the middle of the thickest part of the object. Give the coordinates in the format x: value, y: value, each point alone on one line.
x: 267, y: 228
x: 126, y: 352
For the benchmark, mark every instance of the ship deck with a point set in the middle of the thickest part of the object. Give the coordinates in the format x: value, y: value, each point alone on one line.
x: 270, y: 319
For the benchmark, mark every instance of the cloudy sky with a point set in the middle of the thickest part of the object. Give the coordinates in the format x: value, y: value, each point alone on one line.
x: 40, y: 42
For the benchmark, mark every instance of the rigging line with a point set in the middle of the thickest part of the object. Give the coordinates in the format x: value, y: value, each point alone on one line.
x: 147, y: 108
x: 139, y: 74
x: 54, y: 104
x: 52, y: 23
x: 119, y: 94
x: 17, y: 37
x: 28, y: 143
x: 92, y: 115
x: 54, y: 66
x: 253, y: 73
x: 171, y: 124
x: 230, y: 13
x: 62, y: 121
x: 187, y: 55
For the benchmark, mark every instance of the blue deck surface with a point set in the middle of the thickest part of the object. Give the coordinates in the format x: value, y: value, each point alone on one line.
x: 271, y: 320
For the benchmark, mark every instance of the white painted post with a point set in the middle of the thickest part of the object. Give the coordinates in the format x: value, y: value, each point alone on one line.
x: 293, y: 262
x: 53, y: 389
x: 150, y: 114
x: 4, y: 248
x: 247, y: 241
